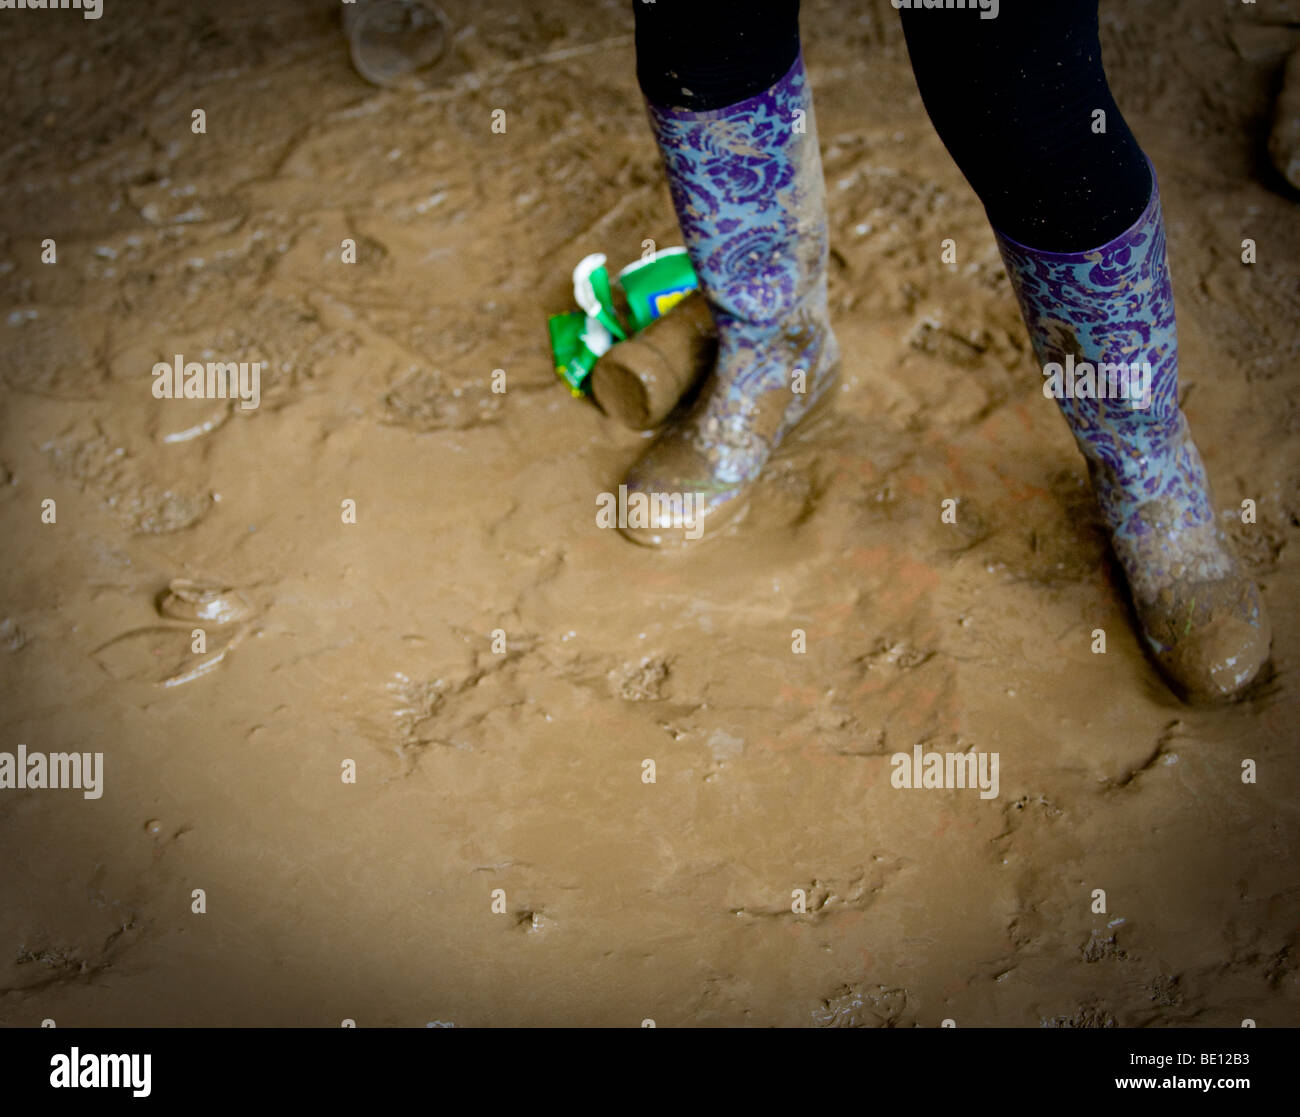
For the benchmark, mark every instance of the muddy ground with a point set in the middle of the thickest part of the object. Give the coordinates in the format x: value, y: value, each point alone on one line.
x: 371, y: 642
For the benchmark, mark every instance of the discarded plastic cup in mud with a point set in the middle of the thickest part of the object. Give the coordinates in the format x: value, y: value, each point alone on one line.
x: 642, y: 378
x: 392, y: 39
x: 639, y: 381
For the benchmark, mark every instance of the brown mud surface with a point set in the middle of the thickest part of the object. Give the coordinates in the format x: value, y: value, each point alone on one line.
x: 372, y: 642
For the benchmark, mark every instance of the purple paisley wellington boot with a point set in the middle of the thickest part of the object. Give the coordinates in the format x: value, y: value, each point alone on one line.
x: 1200, y: 615
x: 746, y: 182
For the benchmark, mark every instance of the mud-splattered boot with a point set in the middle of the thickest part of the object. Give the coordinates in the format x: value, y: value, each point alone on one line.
x: 1200, y: 615
x: 747, y: 186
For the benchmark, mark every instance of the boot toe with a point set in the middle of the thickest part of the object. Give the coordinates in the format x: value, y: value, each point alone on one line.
x: 1217, y: 660
x: 677, y: 515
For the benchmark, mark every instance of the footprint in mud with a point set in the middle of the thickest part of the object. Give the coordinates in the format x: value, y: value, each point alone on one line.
x: 949, y: 344
x: 186, y: 420
x: 886, y: 208
x: 1089, y: 1015
x: 425, y: 402
x: 12, y: 638
x: 462, y: 709
x: 172, y: 655
x: 1060, y: 543
x: 856, y: 891
x: 291, y: 340
x: 164, y: 203
x: 532, y: 922
x: 47, y: 352
x: 1165, y: 990
x: 1260, y: 544
x: 641, y: 680
x: 107, y: 470
x: 896, y: 655
x: 187, y: 600
x: 856, y: 1006
x: 417, y: 701
x: 1101, y: 948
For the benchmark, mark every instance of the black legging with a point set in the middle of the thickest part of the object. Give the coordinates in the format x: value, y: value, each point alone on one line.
x: 1013, y: 99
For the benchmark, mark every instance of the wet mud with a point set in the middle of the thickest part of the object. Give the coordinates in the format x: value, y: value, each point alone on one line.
x: 398, y: 575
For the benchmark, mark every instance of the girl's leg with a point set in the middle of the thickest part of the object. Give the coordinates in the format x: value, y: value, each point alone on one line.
x: 1077, y: 216
x: 1014, y: 100
x: 731, y: 111
x: 709, y: 54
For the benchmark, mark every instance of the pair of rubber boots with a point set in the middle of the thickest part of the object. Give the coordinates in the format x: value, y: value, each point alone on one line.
x: 747, y: 185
